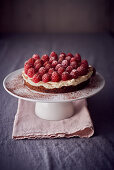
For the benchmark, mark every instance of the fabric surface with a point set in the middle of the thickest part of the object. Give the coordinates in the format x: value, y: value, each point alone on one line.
x: 93, y: 153
x: 28, y: 125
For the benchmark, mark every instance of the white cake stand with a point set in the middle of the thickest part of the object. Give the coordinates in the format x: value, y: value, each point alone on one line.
x: 51, y: 106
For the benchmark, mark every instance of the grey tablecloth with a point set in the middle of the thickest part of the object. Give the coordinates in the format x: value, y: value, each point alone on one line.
x: 75, y: 153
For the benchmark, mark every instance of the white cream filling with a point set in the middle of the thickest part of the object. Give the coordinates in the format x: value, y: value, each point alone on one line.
x: 52, y: 85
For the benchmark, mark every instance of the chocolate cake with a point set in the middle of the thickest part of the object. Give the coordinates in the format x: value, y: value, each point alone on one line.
x: 57, y: 74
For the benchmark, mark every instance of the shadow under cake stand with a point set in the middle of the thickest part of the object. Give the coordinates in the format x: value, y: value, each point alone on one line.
x: 51, y: 106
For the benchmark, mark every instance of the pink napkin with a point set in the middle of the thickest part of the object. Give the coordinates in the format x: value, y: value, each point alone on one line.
x: 28, y: 125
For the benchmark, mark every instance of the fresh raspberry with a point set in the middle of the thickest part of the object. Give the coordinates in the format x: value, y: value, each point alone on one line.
x: 53, y: 54
x: 37, y: 62
x: 46, y: 78
x: 47, y: 67
x: 65, y: 63
x: 36, y: 56
x: 74, y: 64
x: 51, y: 59
x: 73, y: 59
x: 60, y: 60
x: 74, y: 74
x: 36, y: 78
x: 51, y: 70
x: 37, y: 66
x: 54, y: 63
x: 42, y: 70
x: 31, y: 61
x: 77, y: 57
x: 65, y: 76
x: 68, y: 58
x: 55, y: 77
x: 84, y: 63
x: 62, y: 55
x: 47, y: 62
x: 31, y: 72
x: 69, y: 54
x: 45, y: 58
x: 27, y: 65
x: 58, y: 66
x: 69, y: 69
x: 82, y: 70
x: 61, y: 70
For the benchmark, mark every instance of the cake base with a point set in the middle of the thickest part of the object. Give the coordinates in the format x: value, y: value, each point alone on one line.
x: 64, y: 89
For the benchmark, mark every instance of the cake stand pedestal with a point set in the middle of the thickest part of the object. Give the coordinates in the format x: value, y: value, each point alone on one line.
x: 50, y: 106
x: 54, y: 111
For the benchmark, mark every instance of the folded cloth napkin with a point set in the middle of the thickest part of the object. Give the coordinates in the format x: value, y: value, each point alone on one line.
x: 28, y: 125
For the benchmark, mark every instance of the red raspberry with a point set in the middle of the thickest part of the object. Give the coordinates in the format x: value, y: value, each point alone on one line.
x: 27, y: 65
x: 54, y: 63
x: 55, y: 77
x: 69, y: 69
x: 47, y: 67
x: 73, y: 59
x: 53, y: 54
x: 51, y: 70
x: 84, y: 63
x: 47, y: 62
x: 36, y: 78
x: 74, y: 64
x: 52, y: 59
x: 42, y: 70
x: 74, y: 74
x: 31, y: 72
x: 31, y: 61
x: 65, y: 76
x: 65, y: 63
x: 62, y: 55
x: 77, y: 57
x: 36, y: 56
x: 82, y: 70
x: 58, y: 66
x: 61, y: 70
x: 60, y: 60
x: 45, y: 58
x: 69, y: 54
x: 46, y: 78
x: 68, y: 58
x: 37, y: 66
x: 37, y: 62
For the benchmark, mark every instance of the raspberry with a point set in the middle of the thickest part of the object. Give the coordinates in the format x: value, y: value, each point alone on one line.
x: 74, y: 64
x: 51, y: 70
x: 37, y: 62
x: 62, y: 55
x: 53, y: 54
x: 27, y: 65
x: 36, y: 78
x: 42, y: 70
x: 61, y: 70
x: 73, y: 59
x: 60, y: 60
x: 45, y: 58
x: 31, y: 72
x: 69, y: 69
x: 46, y: 78
x: 47, y: 67
x: 37, y: 66
x: 82, y: 70
x: 74, y: 74
x: 65, y: 63
x: 69, y: 54
x: 57, y: 66
x: 47, y: 62
x: 36, y: 56
x: 68, y: 58
x: 77, y: 57
x: 65, y: 76
x: 52, y: 59
x: 55, y: 77
x: 54, y: 63
x: 84, y: 63
x: 31, y: 61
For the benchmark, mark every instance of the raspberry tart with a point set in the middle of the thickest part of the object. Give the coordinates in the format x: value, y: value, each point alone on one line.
x: 57, y: 74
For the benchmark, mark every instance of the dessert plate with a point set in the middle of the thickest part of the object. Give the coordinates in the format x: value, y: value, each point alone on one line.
x: 13, y: 84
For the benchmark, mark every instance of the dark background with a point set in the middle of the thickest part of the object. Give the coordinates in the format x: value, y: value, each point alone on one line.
x: 42, y: 26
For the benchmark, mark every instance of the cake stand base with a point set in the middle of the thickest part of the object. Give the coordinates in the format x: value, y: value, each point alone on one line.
x: 54, y: 111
